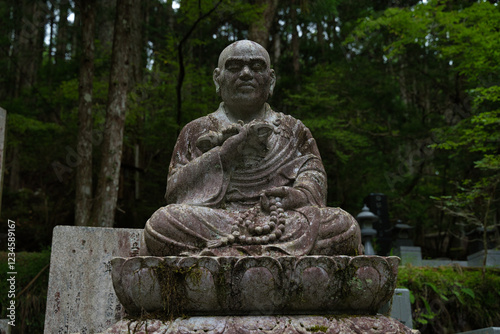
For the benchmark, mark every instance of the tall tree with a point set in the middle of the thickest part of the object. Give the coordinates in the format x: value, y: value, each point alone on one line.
x: 105, y: 23
x: 295, y: 39
x: 137, y: 63
x: 83, y: 198
x: 259, y: 30
x: 30, y: 43
x: 62, y: 31
x: 103, y: 210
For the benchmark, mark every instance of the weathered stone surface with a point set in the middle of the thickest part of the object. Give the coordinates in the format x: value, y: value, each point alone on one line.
x: 378, y: 324
x: 80, y: 297
x: 254, y: 285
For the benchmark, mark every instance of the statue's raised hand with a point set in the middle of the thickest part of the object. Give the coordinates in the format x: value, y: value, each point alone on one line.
x: 241, y: 140
x: 234, y: 142
x: 291, y: 198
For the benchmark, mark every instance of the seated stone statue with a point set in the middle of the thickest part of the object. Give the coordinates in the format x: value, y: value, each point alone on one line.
x: 246, y: 180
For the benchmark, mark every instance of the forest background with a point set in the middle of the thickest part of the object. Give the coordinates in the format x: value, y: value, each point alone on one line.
x: 403, y: 98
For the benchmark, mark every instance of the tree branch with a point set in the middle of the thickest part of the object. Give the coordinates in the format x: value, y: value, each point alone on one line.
x: 180, y: 79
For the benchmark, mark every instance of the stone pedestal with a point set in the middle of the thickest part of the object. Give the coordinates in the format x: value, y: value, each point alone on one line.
x: 203, y: 294
x: 205, y: 285
x: 377, y: 324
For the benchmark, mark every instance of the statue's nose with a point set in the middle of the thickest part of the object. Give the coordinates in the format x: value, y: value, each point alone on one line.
x: 246, y: 73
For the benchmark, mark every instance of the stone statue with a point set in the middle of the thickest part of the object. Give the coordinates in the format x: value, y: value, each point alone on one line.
x: 246, y: 243
x: 246, y: 180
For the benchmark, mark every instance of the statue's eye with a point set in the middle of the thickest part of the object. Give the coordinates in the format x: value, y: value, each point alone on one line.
x: 233, y: 66
x: 257, y: 66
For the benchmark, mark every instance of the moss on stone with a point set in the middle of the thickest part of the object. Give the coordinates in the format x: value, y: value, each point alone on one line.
x: 172, y: 280
x: 317, y: 328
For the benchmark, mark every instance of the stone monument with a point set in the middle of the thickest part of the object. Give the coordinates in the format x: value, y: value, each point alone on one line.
x: 246, y: 243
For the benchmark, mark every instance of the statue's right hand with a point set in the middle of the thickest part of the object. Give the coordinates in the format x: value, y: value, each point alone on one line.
x: 233, y: 145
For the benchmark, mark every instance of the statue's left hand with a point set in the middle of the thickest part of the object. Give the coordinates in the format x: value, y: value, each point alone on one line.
x: 291, y: 198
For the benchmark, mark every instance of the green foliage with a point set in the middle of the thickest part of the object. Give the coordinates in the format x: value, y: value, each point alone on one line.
x: 325, y: 113
x: 460, y: 41
x: 30, y: 305
x: 452, y: 299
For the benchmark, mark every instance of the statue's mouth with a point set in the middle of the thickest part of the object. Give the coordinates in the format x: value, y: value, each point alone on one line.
x: 246, y: 85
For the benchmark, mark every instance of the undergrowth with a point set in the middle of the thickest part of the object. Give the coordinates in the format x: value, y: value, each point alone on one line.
x: 452, y: 299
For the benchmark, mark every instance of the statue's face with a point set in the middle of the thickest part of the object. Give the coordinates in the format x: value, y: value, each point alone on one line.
x: 244, y: 75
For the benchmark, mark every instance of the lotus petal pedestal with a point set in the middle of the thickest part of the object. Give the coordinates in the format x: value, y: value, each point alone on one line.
x: 334, y: 294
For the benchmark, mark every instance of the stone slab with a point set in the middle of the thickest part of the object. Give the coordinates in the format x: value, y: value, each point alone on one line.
x: 410, y: 255
x: 80, y: 297
x: 4, y: 326
x: 489, y: 330
x: 401, y: 307
x: 443, y: 262
x: 492, y: 259
x: 378, y: 324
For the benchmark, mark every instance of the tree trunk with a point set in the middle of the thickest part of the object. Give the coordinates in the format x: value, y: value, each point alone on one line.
x: 276, y: 47
x: 75, y: 32
x: 259, y: 30
x: 83, y: 200
x: 136, y: 57
x: 51, y: 36
x: 103, y: 212
x: 30, y: 44
x: 62, y: 31
x: 105, y: 16
x: 295, y: 39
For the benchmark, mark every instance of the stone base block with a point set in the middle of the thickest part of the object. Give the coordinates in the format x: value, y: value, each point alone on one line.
x: 377, y: 324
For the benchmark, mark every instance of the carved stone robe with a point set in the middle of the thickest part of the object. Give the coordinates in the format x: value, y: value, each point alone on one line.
x: 205, y: 196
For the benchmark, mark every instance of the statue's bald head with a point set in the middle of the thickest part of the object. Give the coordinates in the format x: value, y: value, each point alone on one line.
x: 244, y: 75
x: 244, y: 46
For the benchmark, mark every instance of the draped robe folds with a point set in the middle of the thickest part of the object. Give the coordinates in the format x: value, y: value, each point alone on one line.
x: 206, y: 195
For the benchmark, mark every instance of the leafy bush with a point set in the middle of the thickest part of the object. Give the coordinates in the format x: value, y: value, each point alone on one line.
x: 452, y: 299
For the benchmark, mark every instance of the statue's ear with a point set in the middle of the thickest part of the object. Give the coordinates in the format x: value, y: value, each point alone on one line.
x: 216, y: 77
x: 272, y: 83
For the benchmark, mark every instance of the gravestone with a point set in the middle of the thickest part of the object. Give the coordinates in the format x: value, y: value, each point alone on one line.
x: 409, y: 255
x: 401, y: 307
x: 492, y: 259
x: 4, y: 326
x: 80, y: 297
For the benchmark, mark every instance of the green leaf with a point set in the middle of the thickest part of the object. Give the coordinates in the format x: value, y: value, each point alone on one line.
x: 469, y: 292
